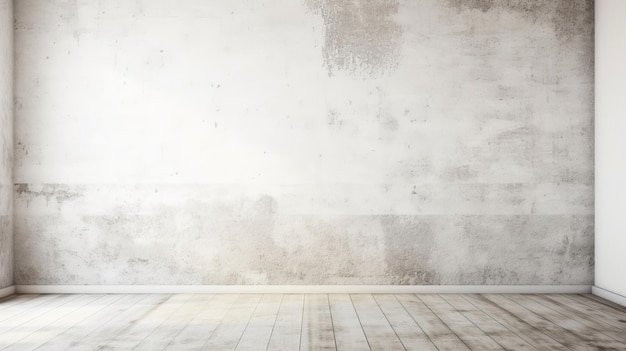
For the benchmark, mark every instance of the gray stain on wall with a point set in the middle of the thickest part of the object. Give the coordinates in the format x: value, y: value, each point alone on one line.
x: 6, y: 249
x: 360, y: 36
x: 568, y: 17
x: 219, y: 235
x: 59, y: 192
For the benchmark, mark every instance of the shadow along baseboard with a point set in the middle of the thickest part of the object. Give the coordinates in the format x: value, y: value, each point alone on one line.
x: 303, y: 289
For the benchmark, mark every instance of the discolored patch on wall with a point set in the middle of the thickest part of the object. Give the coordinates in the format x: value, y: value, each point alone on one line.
x: 6, y: 251
x: 59, y: 192
x: 408, y: 246
x: 568, y: 18
x: 360, y: 36
x: 487, y: 250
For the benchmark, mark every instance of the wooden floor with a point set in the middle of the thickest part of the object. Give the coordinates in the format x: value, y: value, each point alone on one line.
x: 311, y: 322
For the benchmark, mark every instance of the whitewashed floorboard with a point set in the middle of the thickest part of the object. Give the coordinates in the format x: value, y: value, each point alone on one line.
x: 292, y: 322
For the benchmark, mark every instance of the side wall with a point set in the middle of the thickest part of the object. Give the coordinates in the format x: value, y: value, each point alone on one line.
x: 304, y: 142
x: 610, y: 148
x: 6, y: 143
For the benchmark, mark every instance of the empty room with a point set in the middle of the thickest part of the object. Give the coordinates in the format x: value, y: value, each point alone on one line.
x: 312, y: 175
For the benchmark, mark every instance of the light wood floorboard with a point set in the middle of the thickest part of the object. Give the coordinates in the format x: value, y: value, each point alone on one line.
x: 231, y: 328
x: 310, y: 322
x: 378, y: 331
x: 317, y: 324
x: 288, y: 327
x: 349, y: 334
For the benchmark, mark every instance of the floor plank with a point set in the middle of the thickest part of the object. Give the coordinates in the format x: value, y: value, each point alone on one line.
x: 620, y: 308
x: 349, y: 333
x: 471, y: 335
x: 202, y: 325
x: 35, y: 313
x: 586, y: 310
x: 259, y: 330
x: 46, y: 334
x: 380, y: 335
x: 120, y: 323
x: 231, y: 327
x: 442, y: 336
x: 565, y: 337
x: 13, y: 300
x: 288, y: 327
x: 410, y: 334
x: 501, y: 334
x: 607, y: 312
x: 8, y: 315
x: 90, y: 326
x: 141, y: 326
x: 317, y: 324
x: 531, y: 334
x: 171, y: 326
x: 590, y: 323
x: 33, y: 333
x: 310, y: 322
x: 594, y: 339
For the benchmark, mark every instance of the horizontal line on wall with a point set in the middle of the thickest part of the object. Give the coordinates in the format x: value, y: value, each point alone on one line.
x: 609, y: 295
x: 8, y: 291
x: 303, y: 289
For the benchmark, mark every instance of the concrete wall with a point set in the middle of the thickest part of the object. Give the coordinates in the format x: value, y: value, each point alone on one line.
x: 610, y: 147
x: 304, y: 142
x: 6, y: 143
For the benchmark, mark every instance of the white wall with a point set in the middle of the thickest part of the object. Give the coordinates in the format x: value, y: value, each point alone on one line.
x: 610, y: 162
x: 304, y: 142
x: 6, y: 143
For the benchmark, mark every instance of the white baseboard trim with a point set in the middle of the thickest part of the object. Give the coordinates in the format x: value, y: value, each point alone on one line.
x: 7, y: 291
x: 303, y: 289
x: 609, y: 295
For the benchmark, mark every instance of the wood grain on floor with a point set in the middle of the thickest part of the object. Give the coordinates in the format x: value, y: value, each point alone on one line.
x: 311, y: 322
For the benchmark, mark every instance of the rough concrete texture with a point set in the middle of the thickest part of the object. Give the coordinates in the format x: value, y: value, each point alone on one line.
x: 228, y: 234
x: 313, y: 142
x: 6, y: 143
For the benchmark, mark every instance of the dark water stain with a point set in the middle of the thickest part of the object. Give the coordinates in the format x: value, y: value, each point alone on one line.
x: 568, y: 18
x: 360, y: 36
x: 60, y: 192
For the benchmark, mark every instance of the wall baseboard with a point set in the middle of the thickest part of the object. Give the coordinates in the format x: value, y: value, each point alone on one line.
x: 8, y: 291
x: 303, y: 289
x: 609, y: 295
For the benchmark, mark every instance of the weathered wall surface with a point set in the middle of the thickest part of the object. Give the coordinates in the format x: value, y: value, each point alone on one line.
x: 6, y: 143
x: 304, y: 142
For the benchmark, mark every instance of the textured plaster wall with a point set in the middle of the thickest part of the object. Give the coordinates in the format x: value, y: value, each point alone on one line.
x: 304, y: 142
x: 6, y: 143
